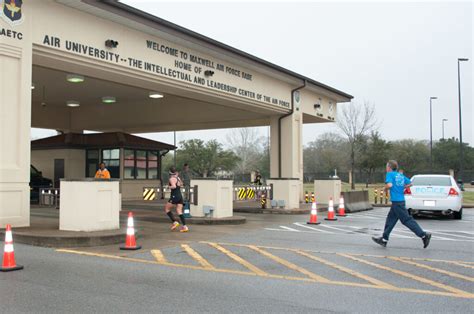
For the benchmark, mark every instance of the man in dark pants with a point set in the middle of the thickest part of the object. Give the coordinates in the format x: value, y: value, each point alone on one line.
x: 396, y: 183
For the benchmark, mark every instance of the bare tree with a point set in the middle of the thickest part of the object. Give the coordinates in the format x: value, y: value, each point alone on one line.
x: 356, y: 122
x: 246, y: 144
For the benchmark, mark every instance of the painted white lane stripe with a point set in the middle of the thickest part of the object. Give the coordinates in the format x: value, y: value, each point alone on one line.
x: 360, y: 217
x: 331, y: 227
x: 312, y: 228
x: 284, y: 230
x: 290, y: 229
x: 455, y: 231
x: 451, y: 234
x: 439, y: 238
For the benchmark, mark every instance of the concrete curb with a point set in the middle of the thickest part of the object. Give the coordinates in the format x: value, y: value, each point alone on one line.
x: 272, y: 211
x: 56, y: 239
x: 234, y: 220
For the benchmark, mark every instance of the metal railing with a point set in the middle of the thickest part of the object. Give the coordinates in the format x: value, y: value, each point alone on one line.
x: 156, y: 193
x: 49, y: 197
x: 252, y: 192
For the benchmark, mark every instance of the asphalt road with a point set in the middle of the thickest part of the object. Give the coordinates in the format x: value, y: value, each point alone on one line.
x: 272, y: 264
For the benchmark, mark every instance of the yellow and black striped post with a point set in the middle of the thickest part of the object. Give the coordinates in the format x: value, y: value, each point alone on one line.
x: 149, y: 194
x: 263, y: 201
x: 250, y: 193
x: 241, y: 194
x: 381, y: 195
x: 386, y: 197
x: 376, y: 193
x: 312, y: 197
x: 306, y: 197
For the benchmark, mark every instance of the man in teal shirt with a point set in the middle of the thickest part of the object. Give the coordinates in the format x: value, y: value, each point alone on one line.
x: 396, y: 182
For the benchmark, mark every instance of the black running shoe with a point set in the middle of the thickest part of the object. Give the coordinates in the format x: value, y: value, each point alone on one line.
x: 380, y: 241
x: 426, y: 240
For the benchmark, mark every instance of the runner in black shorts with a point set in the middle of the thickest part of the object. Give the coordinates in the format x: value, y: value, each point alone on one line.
x: 176, y: 198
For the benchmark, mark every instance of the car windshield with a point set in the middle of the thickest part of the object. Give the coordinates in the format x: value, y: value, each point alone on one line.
x: 34, y: 171
x: 438, y: 181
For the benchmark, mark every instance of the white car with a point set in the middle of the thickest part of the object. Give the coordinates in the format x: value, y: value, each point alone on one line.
x: 432, y: 193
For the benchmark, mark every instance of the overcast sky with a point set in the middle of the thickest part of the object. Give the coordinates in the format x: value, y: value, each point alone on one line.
x: 393, y: 55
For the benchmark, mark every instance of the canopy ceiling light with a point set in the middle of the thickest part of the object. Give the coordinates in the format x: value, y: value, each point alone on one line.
x: 75, y: 78
x: 73, y: 103
x: 155, y: 95
x: 33, y: 86
x: 108, y: 99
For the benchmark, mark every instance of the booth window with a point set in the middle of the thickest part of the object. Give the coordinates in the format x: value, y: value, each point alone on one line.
x: 92, y: 162
x: 111, y: 157
x: 140, y: 164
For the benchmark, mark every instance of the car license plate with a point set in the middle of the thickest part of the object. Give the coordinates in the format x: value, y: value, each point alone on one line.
x: 429, y: 203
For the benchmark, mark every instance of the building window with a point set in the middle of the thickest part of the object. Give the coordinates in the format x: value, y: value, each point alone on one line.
x: 129, y: 164
x: 153, y: 165
x: 141, y: 164
x: 111, y: 158
x: 92, y: 162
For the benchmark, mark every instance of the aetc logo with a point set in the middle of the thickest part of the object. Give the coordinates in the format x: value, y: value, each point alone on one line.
x: 11, y: 11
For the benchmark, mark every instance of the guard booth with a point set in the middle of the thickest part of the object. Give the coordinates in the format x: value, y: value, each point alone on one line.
x: 104, y: 66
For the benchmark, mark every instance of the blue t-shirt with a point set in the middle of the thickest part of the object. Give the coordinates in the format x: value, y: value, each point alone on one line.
x: 398, y: 181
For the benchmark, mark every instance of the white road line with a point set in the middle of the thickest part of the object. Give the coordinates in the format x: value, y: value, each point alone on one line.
x: 331, y: 227
x: 458, y: 231
x: 360, y: 217
x: 451, y: 234
x: 284, y: 230
x: 290, y: 229
x: 312, y: 228
x: 439, y: 238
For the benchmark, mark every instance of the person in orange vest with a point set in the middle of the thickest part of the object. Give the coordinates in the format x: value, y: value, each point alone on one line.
x: 102, y: 173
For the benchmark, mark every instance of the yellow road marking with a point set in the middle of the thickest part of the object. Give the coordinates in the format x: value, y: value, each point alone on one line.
x: 414, y: 277
x: 160, y: 258
x: 442, y: 271
x: 288, y: 264
x: 238, y: 259
x: 346, y: 270
x: 461, y: 263
x: 196, y: 256
x: 236, y: 272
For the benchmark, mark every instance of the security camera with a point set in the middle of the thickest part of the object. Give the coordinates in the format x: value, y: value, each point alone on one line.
x: 208, y: 73
x: 111, y: 43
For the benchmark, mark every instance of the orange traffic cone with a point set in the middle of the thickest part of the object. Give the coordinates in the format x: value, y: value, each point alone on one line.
x: 330, y: 211
x: 313, y: 218
x: 9, y: 263
x: 130, y: 243
x: 342, y: 210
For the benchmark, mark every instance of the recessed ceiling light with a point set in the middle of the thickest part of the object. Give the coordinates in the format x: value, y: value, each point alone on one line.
x: 108, y: 99
x: 73, y: 103
x: 155, y: 95
x: 75, y: 78
x: 33, y: 86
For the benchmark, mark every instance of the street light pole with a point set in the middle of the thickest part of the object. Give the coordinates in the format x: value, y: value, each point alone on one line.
x: 461, y: 153
x: 444, y: 120
x: 431, y: 133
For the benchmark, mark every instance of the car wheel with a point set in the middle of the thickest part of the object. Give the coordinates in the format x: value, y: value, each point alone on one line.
x: 458, y: 215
